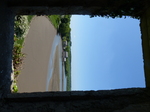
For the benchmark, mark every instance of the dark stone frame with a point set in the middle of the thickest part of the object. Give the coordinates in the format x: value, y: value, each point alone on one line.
x: 108, y: 100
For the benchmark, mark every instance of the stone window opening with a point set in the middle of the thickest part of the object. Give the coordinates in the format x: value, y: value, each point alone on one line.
x: 110, y: 100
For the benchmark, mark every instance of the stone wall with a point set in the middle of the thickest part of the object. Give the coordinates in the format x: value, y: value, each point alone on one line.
x: 6, y: 46
x: 145, y: 31
x: 121, y: 100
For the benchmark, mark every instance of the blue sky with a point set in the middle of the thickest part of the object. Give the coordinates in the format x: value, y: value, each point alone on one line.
x: 106, y: 53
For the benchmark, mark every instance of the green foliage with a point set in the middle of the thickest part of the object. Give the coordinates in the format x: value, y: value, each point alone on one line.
x: 20, y: 29
x: 65, y: 20
x: 55, y: 19
x: 29, y: 17
x: 68, y: 72
x: 17, y: 55
x: 17, y: 73
x: 64, y: 30
x: 15, y: 87
x: 61, y: 23
x: 21, y: 26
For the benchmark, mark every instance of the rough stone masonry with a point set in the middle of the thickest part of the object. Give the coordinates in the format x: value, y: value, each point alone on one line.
x: 123, y: 100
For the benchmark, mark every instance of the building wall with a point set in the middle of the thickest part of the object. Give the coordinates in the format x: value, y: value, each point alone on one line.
x: 123, y: 100
x: 145, y: 36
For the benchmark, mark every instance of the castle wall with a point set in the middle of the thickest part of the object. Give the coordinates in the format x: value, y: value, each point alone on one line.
x: 123, y: 100
x: 145, y: 36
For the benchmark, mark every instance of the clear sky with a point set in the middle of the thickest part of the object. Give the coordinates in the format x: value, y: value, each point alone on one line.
x: 106, y: 53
